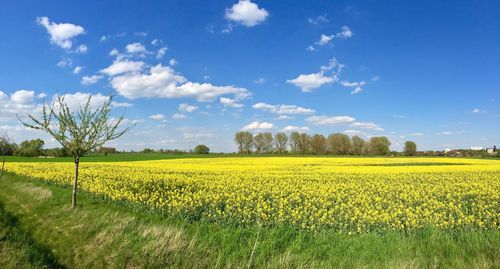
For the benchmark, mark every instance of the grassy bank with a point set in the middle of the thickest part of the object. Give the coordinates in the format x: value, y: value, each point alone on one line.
x: 38, y: 228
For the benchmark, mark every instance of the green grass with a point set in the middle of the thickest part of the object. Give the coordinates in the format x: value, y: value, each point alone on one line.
x: 38, y: 229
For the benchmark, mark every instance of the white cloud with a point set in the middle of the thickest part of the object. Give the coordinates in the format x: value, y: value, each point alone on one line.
x: 65, y: 62
x: 334, y: 120
x: 136, y: 48
x: 357, y: 90
x: 325, y: 39
x: 352, y: 84
x: 260, y: 81
x: 119, y: 104
x: 61, y: 34
x: 258, y: 126
x: 318, y: 20
x: 283, y: 109
x: 161, y: 52
x: 310, y: 48
x: 345, y: 33
x: 75, y: 100
x: 187, y: 108
x: 309, y: 82
x: 285, y: 117
x: 160, y: 117
x: 445, y: 133
x: 354, y: 132
x: 82, y: 49
x: 228, y: 102
x: 179, y: 116
x: 77, y: 69
x: 162, y: 81
x: 173, y: 62
x: 291, y: 128
x: 123, y: 66
x: 367, y: 125
x: 477, y: 111
x: 89, y: 80
x: 417, y: 134
x: 19, y: 102
x: 246, y: 13
x: 375, y: 78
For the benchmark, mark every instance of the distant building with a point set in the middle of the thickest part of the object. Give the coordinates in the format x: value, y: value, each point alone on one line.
x: 492, y: 150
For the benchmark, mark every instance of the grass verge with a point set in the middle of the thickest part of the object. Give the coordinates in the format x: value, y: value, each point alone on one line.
x: 44, y: 232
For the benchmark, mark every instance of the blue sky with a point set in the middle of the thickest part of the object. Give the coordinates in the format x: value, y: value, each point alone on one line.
x: 189, y: 72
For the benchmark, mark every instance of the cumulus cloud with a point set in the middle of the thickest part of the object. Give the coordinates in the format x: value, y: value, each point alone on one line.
x: 162, y: 81
x: 159, y: 117
x: 357, y: 90
x: 228, y: 102
x: 325, y: 39
x: 318, y: 20
x: 122, y: 66
x: 309, y: 82
x: 136, y: 48
x: 77, y: 70
x: 330, y: 121
x: 173, y: 62
x: 187, y: 108
x: 161, y: 52
x: 179, y: 116
x: 247, y: 13
x: 291, y: 128
x: 61, y: 34
x: 89, y: 80
x: 82, y: 49
x: 283, y: 109
x: 256, y: 126
x: 367, y: 125
x: 20, y: 101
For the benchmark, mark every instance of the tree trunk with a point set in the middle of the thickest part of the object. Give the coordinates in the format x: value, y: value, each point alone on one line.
x: 3, y: 165
x: 75, y: 183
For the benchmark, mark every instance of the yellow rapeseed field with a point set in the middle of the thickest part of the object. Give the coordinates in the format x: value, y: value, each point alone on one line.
x: 344, y: 194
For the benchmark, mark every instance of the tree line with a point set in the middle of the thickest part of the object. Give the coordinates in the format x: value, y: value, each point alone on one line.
x: 303, y: 143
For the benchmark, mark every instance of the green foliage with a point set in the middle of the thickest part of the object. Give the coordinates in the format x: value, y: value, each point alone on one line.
x: 31, y: 148
x: 78, y: 131
x: 263, y: 143
x: 410, y: 148
x: 339, y: 144
x: 201, y: 149
x: 318, y: 144
x: 379, y: 145
x: 244, y: 140
x: 357, y: 145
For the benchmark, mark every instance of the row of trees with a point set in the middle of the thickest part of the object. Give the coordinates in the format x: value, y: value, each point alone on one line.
x: 303, y: 143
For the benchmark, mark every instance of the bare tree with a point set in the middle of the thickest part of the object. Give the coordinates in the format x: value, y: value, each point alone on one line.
x: 294, y: 142
x: 5, y: 144
x: 280, y: 140
x: 263, y: 142
x: 357, y: 145
x: 244, y: 141
x: 340, y: 144
x: 318, y: 144
x: 77, y: 131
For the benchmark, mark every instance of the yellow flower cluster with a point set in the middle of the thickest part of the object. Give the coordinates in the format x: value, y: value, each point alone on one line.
x: 345, y: 194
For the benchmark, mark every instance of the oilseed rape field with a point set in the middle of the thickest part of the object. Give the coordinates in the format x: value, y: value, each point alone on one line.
x: 348, y: 195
